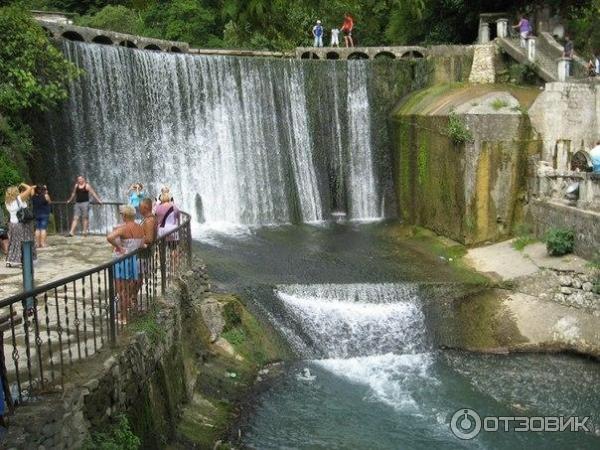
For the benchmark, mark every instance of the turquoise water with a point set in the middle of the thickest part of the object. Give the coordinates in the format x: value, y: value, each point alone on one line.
x: 349, y: 300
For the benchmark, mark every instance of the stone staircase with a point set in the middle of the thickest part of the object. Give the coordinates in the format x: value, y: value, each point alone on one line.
x: 547, y: 54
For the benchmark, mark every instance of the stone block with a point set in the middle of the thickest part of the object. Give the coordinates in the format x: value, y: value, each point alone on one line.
x: 566, y: 290
x: 587, y: 286
x: 565, y: 280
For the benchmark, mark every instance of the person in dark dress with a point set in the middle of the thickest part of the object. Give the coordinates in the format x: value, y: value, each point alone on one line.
x: 41, y: 211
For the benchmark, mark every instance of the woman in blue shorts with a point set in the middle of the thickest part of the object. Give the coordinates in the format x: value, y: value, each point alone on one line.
x: 41, y: 210
x: 126, y: 239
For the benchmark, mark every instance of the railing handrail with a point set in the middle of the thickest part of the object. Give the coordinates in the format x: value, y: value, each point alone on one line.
x: 7, y: 301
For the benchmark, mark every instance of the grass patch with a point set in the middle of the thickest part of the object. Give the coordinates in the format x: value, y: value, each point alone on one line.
x: 498, y: 104
x: 524, y: 237
x: 148, y: 324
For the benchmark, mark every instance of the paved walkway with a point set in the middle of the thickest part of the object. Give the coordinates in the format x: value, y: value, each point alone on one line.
x: 63, y: 256
x: 503, y: 262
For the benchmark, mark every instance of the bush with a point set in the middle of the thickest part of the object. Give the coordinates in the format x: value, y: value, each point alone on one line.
x: 457, y: 129
x: 116, y: 18
x: 118, y: 437
x: 560, y: 241
x: 232, y: 313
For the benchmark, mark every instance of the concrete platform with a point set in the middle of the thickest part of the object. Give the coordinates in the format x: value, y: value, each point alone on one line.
x: 63, y: 256
x: 503, y: 262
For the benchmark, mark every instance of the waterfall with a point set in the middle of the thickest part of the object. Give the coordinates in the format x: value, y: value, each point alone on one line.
x: 235, y: 138
x: 345, y: 321
x: 370, y: 334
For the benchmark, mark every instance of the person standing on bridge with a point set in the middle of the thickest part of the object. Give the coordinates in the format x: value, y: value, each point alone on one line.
x: 347, y: 28
x: 335, y: 37
x: 317, y: 32
x: 81, y: 194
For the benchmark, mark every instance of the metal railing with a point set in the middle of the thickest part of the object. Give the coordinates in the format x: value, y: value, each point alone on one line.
x: 53, y: 326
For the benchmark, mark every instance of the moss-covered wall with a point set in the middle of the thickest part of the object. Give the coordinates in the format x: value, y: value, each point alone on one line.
x: 470, y: 191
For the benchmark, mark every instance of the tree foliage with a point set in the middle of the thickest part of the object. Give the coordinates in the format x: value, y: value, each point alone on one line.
x: 33, y: 72
x: 33, y: 76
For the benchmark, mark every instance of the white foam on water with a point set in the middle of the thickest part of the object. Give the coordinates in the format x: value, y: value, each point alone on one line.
x: 391, y: 378
x: 345, y: 321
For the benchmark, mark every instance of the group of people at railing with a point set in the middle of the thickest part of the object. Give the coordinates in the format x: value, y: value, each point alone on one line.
x: 29, y: 208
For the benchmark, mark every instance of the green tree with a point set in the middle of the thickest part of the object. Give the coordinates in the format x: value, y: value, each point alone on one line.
x: 34, y: 76
x: 116, y: 18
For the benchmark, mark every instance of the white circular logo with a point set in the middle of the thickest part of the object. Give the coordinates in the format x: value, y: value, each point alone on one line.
x: 465, y: 424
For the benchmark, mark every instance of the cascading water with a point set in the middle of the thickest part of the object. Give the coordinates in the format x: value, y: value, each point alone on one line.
x: 372, y: 334
x: 239, y: 140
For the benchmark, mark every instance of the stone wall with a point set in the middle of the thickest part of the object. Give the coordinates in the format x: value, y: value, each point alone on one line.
x: 147, y: 378
x: 567, y: 117
x: 553, y: 187
x: 484, y: 64
x: 546, y: 215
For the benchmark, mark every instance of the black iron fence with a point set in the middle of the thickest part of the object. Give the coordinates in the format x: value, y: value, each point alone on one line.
x: 47, y: 329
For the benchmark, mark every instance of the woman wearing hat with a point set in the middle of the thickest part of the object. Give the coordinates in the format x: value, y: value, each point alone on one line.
x: 126, y: 239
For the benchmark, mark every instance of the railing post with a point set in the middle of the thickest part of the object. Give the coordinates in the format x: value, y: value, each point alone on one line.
x: 502, y: 28
x: 188, y: 229
x: 484, y: 33
x: 27, y: 270
x: 112, y: 305
x: 564, y: 69
x: 162, y: 256
x: 531, y: 56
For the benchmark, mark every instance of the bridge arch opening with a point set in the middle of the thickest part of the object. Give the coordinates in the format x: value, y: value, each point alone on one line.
x: 385, y: 55
x: 412, y: 54
x: 104, y: 40
x: 175, y: 50
x: 152, y: 47
x: 309, y: 55
x: 73, y: 36
x: 127, y: 44
x: 333, y: 55
x: 358, y: 55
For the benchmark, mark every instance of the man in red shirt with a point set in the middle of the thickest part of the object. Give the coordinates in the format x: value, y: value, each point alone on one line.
x: 347, y: 30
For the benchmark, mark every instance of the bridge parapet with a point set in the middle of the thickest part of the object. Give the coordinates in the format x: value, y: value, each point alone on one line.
x: 59, y: 30
x: 344, y: 53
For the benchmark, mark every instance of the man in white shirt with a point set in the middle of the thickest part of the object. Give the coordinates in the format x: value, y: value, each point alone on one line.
x: 335, y: 37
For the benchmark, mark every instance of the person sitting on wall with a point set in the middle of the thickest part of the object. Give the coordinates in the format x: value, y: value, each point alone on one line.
x: 595, y: 157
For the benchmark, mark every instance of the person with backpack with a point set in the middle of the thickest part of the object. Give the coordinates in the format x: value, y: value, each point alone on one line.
x: 317, y: 32
x: 20, y: 227
x: 347, y: 27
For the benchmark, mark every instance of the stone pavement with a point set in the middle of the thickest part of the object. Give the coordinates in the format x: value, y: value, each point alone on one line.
x: 503, y: 262
x: 63, y: 256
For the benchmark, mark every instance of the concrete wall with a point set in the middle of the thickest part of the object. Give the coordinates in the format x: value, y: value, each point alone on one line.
x: 546, y: 215
x: 567, y: 118
x: 472, y: 192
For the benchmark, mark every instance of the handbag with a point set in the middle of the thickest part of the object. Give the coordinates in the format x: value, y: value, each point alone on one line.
x: 24, y: 214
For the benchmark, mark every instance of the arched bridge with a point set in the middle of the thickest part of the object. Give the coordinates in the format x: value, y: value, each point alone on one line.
x: 58, y: 30
x: 343, y: 53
